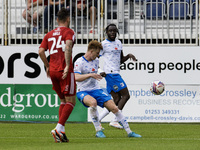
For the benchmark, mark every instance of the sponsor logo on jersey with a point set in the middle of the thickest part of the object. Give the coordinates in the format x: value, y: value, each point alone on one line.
x: 115, y: 87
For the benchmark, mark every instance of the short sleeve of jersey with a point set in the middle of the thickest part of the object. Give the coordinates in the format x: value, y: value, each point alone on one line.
x: 78, y: 66
x: 70, y: 35
x: 44, y: 43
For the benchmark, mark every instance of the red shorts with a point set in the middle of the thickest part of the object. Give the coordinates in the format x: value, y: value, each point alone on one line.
x: 66, y: 87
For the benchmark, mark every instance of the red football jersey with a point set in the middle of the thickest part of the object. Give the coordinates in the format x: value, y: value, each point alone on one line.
x: 54, y: 41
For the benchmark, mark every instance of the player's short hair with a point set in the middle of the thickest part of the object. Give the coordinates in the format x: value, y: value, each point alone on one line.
x: 63, y: 14
x: 94, y: 45
x: 112, y: 24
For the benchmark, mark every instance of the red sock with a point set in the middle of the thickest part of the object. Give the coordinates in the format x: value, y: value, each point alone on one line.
x: 65, y: 113
x: 61, y: 108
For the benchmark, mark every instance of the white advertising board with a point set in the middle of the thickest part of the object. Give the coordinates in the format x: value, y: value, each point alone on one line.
x: 172, y: 65
x: 21, y: 65
x: 178, y: 103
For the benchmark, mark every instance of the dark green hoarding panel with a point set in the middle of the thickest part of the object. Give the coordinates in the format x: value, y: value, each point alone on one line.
x: 30, y: 102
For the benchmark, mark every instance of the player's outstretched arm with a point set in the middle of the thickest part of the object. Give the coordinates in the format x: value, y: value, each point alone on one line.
x: 125, y: 58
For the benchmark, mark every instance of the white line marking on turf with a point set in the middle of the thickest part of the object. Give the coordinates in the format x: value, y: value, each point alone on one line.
x: 143, y: 138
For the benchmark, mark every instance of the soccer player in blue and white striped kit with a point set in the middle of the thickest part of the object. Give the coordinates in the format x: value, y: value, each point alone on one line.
x: 89, y: 92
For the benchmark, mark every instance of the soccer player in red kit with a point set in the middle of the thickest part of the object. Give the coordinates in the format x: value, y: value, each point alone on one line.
x: 60, y: 42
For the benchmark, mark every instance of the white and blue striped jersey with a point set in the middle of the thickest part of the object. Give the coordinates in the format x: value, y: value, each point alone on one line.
x: 82, y: 66
x: 112, y: 55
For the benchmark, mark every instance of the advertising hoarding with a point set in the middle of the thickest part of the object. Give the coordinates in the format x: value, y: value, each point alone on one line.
x: 177, y: 67
x: 34, y: 102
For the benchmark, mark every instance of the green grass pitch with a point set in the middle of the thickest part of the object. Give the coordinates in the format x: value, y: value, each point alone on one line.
x: 36, y: 136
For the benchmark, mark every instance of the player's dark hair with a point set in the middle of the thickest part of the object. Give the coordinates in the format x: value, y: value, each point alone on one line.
x: 63, y: 14
x: 112, y: 24
x: 94, y: 45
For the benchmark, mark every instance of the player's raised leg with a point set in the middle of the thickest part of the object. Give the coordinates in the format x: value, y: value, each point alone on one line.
x: 110, y: 105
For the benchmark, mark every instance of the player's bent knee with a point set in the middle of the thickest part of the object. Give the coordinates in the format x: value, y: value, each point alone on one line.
x: 93, y: 103
x: 114, y: 109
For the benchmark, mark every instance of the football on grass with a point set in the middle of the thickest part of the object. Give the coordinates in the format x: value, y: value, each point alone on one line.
x: 157, y: 87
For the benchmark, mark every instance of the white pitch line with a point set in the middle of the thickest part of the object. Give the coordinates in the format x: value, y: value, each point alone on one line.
x: 143, y: 138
